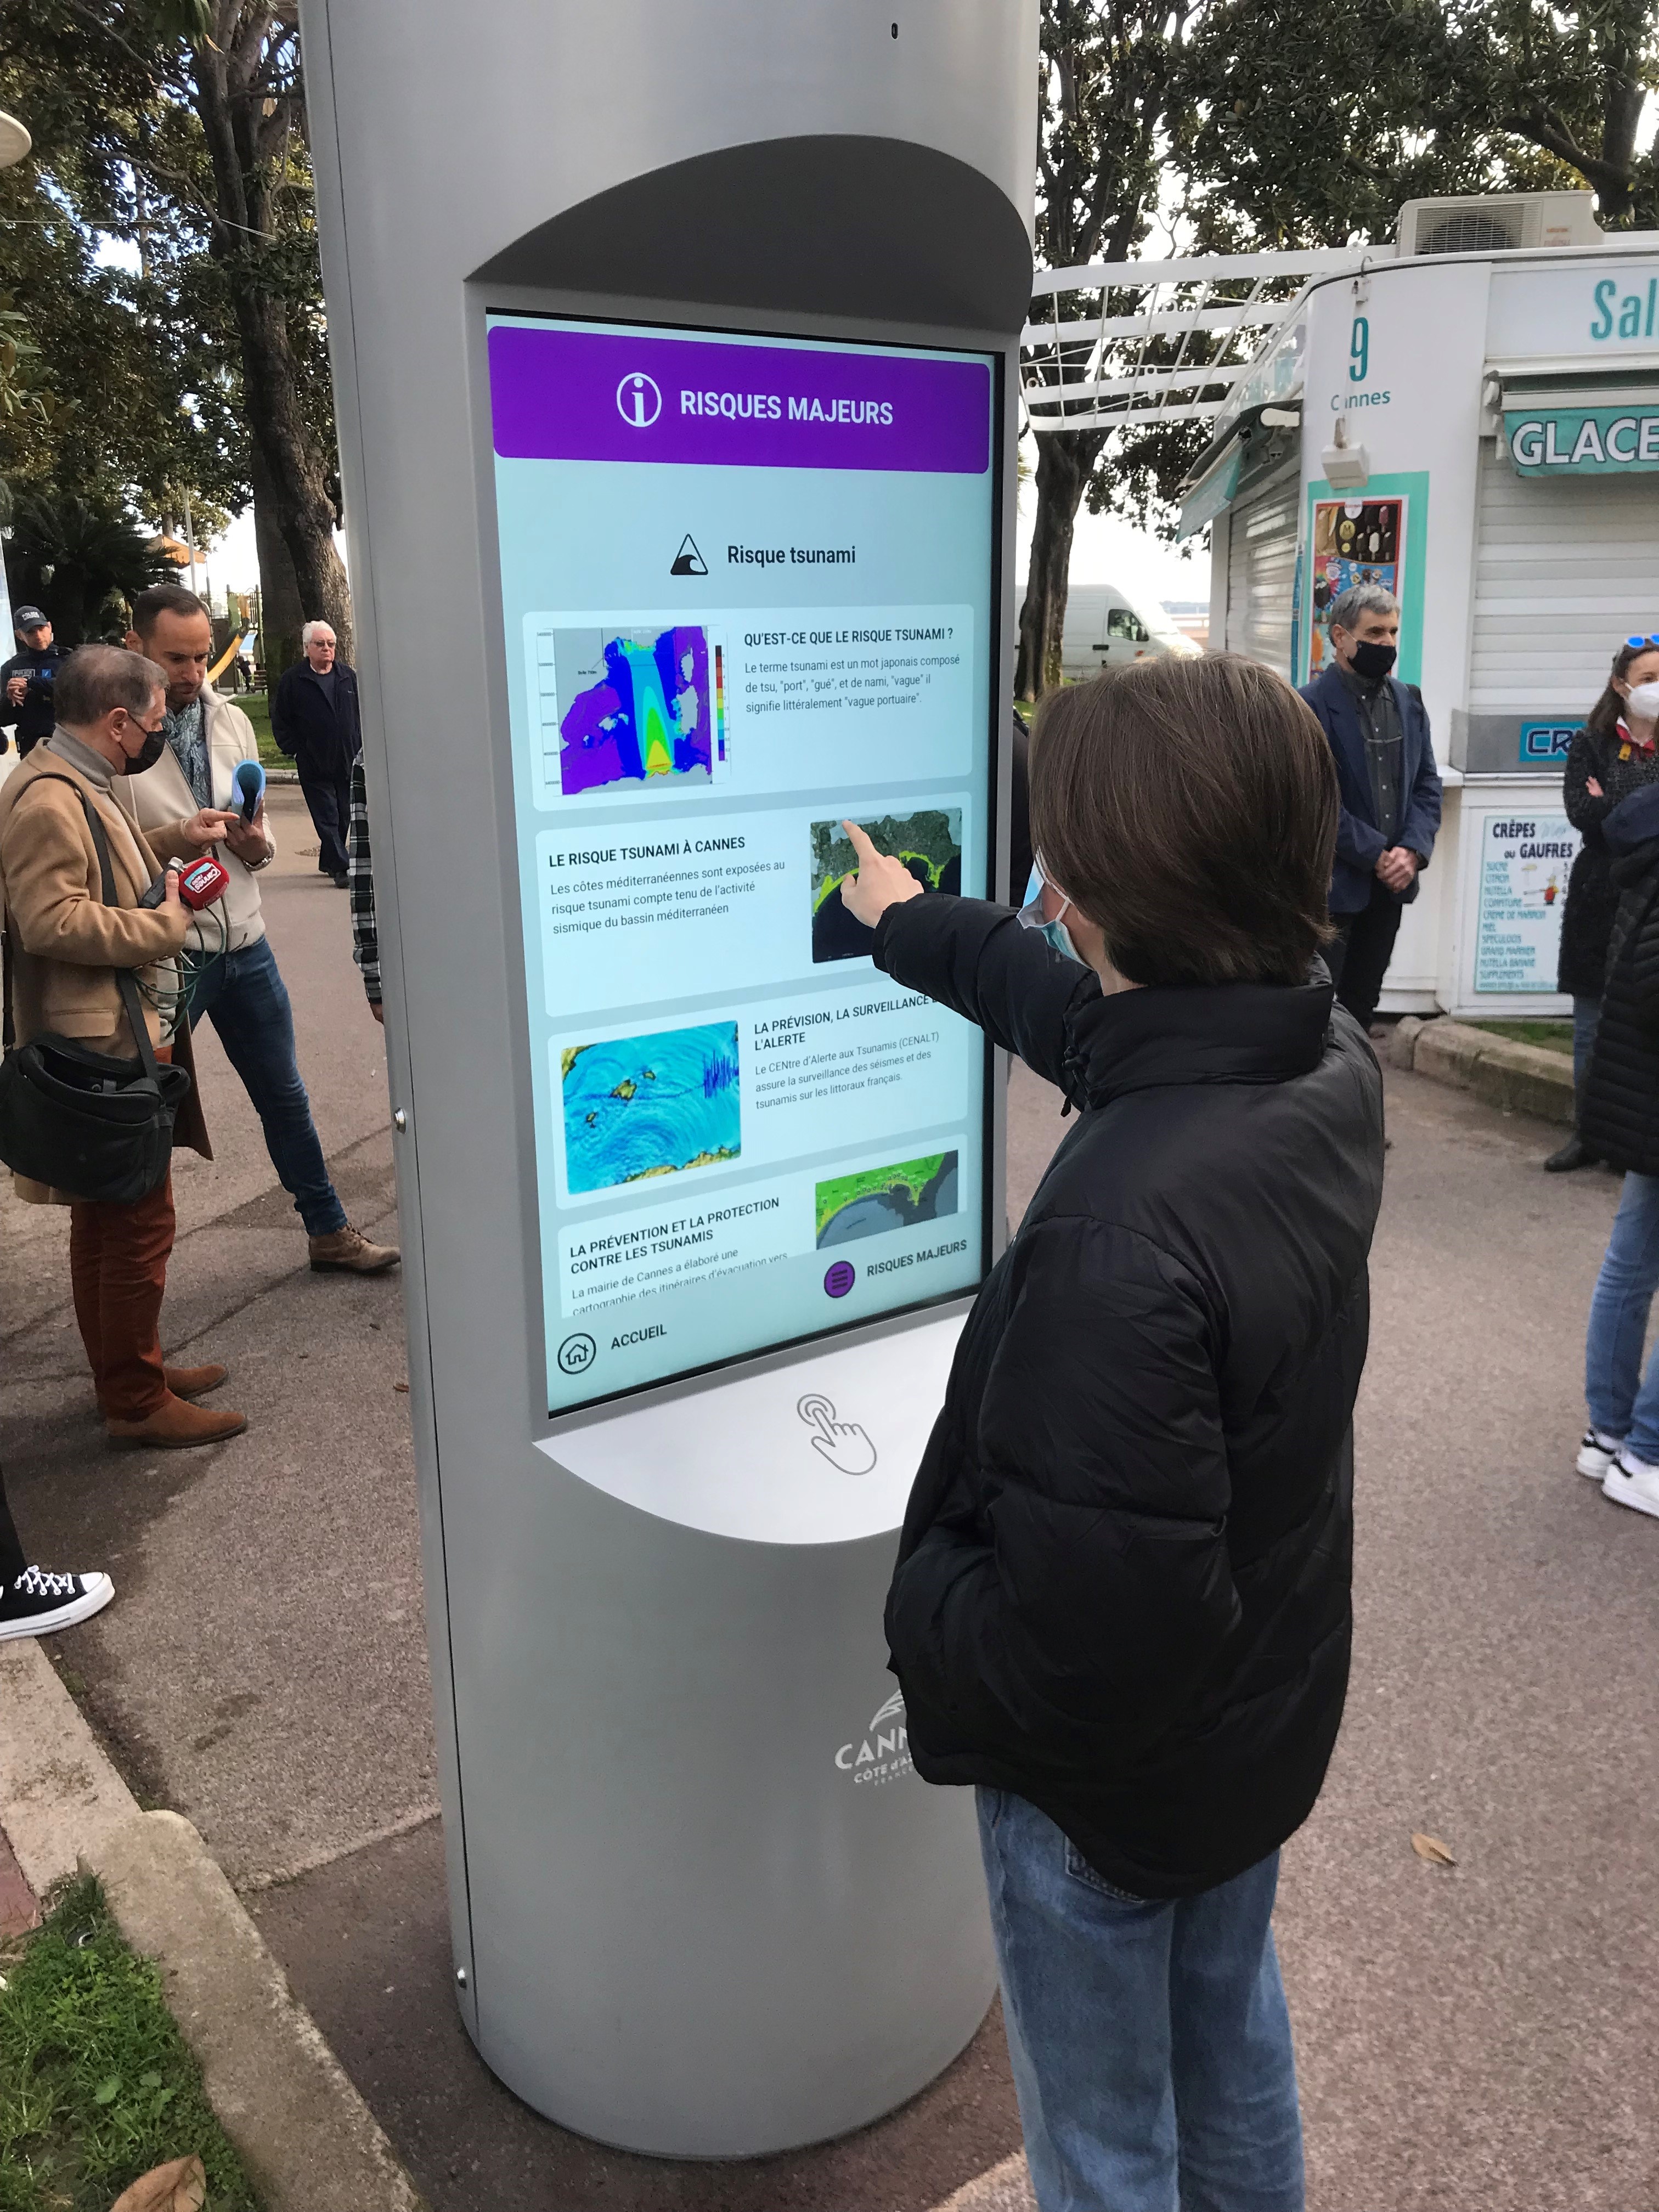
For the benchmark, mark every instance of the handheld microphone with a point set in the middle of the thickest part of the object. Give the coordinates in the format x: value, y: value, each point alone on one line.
x: 200, y: 882
x: 249, y: 783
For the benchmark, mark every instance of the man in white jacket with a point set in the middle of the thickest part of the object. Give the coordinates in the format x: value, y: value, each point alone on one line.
x: 240, y: 991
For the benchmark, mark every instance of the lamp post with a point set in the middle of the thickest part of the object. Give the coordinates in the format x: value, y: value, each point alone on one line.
x: 15, y: 144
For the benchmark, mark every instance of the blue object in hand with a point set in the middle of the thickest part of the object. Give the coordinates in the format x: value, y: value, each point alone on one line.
x: 250, y: 782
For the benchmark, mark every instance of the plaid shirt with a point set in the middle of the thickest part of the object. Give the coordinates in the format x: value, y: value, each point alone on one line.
x: 359, y: 877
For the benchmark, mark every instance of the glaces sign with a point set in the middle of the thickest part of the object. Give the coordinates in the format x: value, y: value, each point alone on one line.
x: 1583, y: 440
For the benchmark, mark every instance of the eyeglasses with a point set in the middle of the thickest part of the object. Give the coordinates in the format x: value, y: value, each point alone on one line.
x: 1639, y: 642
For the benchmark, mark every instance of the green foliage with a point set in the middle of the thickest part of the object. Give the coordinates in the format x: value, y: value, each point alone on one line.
x: 1262, y: 124
x: 145, y: 366
x: 83, y: 560
x: 96, y: 2084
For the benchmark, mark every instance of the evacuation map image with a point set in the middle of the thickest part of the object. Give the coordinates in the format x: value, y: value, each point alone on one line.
x: 650, y: 1105
x: 929, y: 844
x: 639, y: 710
x: 881, y: 1199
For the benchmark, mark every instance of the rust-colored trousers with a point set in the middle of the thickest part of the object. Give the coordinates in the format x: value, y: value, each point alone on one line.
x: 119, y: 1266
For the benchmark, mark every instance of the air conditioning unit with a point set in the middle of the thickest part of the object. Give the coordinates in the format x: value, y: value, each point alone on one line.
x: 1502, y: 222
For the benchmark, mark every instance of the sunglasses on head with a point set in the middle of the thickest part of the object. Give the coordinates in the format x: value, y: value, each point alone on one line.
x: 1639, y: 642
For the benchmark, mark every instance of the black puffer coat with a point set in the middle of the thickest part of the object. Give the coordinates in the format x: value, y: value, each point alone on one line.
x: 1592, y: 895
x: 1122, y: 1590
x: 1620, y: 1115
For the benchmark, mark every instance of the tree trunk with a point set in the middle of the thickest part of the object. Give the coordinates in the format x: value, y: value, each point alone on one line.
x: 1065, y: 460
x: 296, y: 469
x: 282, y: 612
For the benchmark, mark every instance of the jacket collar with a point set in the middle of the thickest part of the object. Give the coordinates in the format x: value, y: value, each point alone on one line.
x: 1169, y: 1034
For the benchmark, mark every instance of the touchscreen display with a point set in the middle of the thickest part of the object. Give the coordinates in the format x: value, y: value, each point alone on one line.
x: 747, y: 586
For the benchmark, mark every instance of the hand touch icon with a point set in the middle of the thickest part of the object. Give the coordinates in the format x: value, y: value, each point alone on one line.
x: 843, y: 1443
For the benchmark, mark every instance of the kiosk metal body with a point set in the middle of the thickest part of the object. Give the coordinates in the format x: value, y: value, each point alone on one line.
x: 701, y: 1903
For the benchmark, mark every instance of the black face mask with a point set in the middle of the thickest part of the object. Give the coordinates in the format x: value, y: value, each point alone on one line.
x: 148, y: 755
x: 1372, y: 660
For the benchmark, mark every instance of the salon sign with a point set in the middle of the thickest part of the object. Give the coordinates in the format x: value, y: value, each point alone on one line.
x: 1583, y: 441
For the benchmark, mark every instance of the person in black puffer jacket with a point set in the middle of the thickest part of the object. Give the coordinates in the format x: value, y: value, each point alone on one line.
x: 1121, y: 1604
x: 1620, y: 1122
x: 1613, y: 756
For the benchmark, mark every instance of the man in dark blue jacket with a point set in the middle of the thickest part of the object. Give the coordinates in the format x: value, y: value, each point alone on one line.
x: 1378, y: 732
x: 314, y: 718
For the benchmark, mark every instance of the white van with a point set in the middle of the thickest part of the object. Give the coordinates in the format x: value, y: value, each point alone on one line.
x: 1105, y: 628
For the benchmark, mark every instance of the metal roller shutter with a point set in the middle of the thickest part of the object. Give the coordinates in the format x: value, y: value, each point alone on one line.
x: 1261, y: 572
x: 1564, y: 567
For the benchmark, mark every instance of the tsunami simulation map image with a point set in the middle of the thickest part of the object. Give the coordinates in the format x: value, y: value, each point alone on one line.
x: 654, y: 1105
x: 929, y: 842
x: 878, y: 1200
x: 637, y: 709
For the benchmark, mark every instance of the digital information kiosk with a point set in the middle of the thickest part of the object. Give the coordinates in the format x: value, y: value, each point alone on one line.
x: 678, y: 488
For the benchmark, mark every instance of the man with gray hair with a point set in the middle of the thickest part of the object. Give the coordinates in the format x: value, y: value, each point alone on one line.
x: 69, y: 936
x: 1378, y: 732
x: 314, y: 718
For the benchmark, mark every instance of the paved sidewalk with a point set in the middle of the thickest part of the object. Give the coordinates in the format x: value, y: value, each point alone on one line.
x: 1474, y: 2036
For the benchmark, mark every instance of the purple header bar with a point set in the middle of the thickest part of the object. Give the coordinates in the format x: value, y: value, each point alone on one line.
x: 609, y: 395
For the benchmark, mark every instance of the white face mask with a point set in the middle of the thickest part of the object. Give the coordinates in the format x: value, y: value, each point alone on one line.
x: 1644, y: 702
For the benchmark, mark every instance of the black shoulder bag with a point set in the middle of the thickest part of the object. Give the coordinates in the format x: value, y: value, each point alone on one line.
x: 90, y: 1125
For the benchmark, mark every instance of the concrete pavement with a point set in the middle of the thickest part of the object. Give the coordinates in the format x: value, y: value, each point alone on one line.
x: 1474, y: 2036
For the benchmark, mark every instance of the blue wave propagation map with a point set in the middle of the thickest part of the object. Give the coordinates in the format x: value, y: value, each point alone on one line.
x: 651, y: 1105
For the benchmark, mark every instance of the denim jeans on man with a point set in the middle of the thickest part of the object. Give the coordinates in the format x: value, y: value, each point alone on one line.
x: 244, y: 996
x: 1586, y: 1019
x: 1622, y: 1402
x: 1150, y: 2040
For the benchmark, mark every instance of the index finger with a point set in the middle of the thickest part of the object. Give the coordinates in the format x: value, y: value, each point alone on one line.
x: 862, y: 845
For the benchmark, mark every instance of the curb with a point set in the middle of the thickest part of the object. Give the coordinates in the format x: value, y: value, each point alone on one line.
x: 1518, y: 1078
x: 309, y: 2143
x: 1005, y: 2188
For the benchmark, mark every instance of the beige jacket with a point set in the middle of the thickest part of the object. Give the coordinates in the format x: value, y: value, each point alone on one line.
x: 64, y: 943
x: 160, y: 795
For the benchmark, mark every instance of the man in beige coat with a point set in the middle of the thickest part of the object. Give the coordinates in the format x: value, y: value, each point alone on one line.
x: 240, y: 988
x: 64, y: 947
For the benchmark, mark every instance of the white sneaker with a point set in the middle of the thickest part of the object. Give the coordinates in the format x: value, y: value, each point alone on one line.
x: 1631, y: 1481
x: 1596, y: 1456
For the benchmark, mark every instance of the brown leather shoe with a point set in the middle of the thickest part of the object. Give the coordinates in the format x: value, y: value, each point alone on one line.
x: 349, y: 1252
x: 195, y: 1381
x: 175, y: 1426
x: 184, y: 1381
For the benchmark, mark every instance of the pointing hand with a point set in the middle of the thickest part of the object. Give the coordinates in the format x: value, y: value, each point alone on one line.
x: 881, y: 881
x: 843, y: 1443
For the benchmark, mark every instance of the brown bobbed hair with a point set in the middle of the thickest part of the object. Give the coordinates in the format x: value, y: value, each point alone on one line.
x: 1602, y: 721
x: 1188, y: 807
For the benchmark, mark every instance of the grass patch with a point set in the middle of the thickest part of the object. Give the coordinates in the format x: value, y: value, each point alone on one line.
x: 97, y: 2085
x: 256, y: 705
x: 1554, y: 1036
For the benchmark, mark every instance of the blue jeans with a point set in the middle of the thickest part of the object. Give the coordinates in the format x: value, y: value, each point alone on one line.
x: 1150, y: 2040
x: 1622, y: 1402
x: 245, y: 997
x: 1586, y: 1016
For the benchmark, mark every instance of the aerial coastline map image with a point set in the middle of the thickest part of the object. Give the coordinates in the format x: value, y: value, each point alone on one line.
x: 650, y: 1105
x: 929, y: 842
x: 880, y: 1199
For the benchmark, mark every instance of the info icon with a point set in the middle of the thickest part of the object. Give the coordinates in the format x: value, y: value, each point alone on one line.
x: 840, y: 1278
x: 577, y: 1354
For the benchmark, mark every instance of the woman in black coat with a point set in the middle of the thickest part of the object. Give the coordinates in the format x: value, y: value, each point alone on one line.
x: 1611, y: 756
x: 1621, y: 1122
x: 1121, y: 1602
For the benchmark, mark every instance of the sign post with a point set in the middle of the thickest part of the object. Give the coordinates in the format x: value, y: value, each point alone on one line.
x: 678, y: 469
